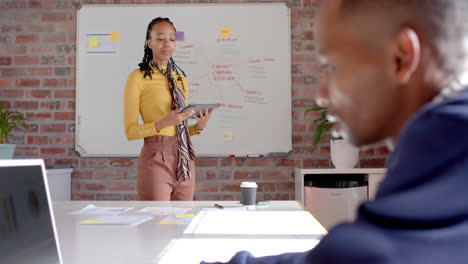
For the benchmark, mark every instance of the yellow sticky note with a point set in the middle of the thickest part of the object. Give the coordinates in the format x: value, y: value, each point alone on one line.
x: 168, y: 223
x: 225, y: 32
x: 227, y: 135
x: 185, y: 215
x: 91, y: 222
x: 115, y: 36
x: 93, y: 42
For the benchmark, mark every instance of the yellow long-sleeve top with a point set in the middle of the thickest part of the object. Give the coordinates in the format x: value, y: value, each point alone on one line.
x: 153, y: 100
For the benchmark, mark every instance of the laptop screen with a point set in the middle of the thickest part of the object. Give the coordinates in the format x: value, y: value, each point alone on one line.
x: 27, y: 229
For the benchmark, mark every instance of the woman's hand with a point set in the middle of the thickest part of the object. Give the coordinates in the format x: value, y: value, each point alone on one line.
x: 175, y: 117
x: 203, y: 119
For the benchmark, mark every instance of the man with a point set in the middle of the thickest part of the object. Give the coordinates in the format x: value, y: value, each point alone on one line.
x: 398, y: 73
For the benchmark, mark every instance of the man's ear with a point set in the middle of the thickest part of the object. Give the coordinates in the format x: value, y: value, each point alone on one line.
x: 407, y: 54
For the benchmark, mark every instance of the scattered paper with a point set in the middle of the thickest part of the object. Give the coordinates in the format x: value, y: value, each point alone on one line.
x: 225, y: 208
x: 255, y: 223
x: 91, y: 209
x: 163, y: 210
x: 118, y: 220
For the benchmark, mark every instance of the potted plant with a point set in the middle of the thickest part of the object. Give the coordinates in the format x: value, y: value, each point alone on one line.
x: 343, y: 154
x: 8, y: 121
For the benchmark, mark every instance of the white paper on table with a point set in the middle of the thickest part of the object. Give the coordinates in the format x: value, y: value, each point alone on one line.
x: 117, y: 220
x: 196, y: 250
x: 226, y: 208
x: 163, y: 210
x: 255, y: 223
x: 91, y: 209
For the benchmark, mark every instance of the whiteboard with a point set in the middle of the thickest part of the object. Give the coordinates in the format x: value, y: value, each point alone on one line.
x: 238, y: 55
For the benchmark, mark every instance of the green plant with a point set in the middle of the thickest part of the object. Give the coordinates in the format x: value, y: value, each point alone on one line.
x: 8, y: 121
x: 322, y: 124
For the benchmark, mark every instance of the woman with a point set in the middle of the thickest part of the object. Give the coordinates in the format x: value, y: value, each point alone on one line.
x: 158, y: 91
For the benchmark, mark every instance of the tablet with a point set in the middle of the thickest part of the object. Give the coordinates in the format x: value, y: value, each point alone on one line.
x: 197, y: 108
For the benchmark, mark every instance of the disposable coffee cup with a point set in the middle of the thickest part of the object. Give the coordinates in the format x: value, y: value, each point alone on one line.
x: 249, y: 193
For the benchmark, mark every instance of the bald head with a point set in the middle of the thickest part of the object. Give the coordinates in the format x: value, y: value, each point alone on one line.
x: 442, y: 25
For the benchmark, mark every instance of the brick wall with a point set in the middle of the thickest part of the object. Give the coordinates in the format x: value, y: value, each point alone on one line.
x: 37, y: 77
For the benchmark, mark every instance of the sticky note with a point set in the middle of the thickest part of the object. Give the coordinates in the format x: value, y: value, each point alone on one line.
x: 227, y: 135
x: 91, y: 222
x: 179, y: 35
x: 185, y: 215
x: 93, y: 42
x: 168, y: 223
x: 225, y: 32
x: 114, y: 36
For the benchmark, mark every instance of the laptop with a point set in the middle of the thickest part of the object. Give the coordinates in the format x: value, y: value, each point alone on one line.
x: 27, y: 228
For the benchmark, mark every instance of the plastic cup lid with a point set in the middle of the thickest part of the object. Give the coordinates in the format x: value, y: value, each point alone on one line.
x: 248, y: 185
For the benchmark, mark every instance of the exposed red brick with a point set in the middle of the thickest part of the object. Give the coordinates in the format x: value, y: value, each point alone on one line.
x: 64, y: 116
x: 75, y: 187
x: 6, y: 83
x: 260, y: 162
x: 41, y: 49
x: 54, y: 38
x: 372, y: 163
x: 121, y: 163
x: 67, y: 139
x: 26, y: 105
x: 276, y: 175
x: 94, y: 163
x: 11, y: 93
x: 122, y: 186
x: 26, y: 151
x: 74, y: 163
x: 5, y: 61
x: 206, y: 162
x: 130, y: 197
x: 28, y: 83
x: 38, y: 116
x: 93, y: 186
x: 12, y: 72
x: 53, y: 151
x: 246, y: 175
x: 52, y: 17
x: 64, y: 94
x: 288, y: 163
x: 13, y: 49
x: 266, y: 187
x: 39, y: 93
x: 30, y: 38
x: 53, y: 105
x: 206, y: 187
x: 55, y: 83
x: 40, y: 71
x: 230, y: 187
x: 40, y: 28
x: 65, y: 27
x: 82, y: 174
x: 38, y: 140
x: 25, y: 60
x: 285, y: 186
x: 107, y: 174
x: 83, y: 196
x: 232, y: 162
x: 300, y: 14
x: 52, y: 128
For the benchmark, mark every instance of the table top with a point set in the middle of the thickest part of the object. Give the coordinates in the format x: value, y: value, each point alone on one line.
x: 88, y: 244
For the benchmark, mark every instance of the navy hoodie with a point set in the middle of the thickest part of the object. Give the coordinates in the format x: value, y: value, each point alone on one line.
x: 420, y: 214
